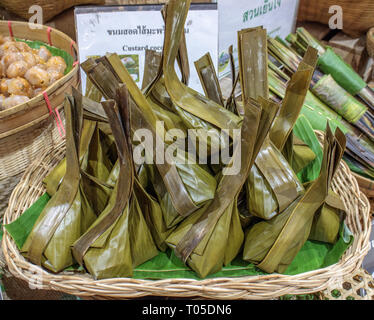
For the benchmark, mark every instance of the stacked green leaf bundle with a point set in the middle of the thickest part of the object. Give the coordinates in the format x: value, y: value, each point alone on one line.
x: 110, y: 213
x: 327, y: 100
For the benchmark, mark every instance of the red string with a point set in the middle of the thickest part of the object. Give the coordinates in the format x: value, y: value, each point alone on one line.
x: 57, y: 117
x: 10, y: 28
x: 73, y: 52
x: 49, y: 29
x: 71, y: 47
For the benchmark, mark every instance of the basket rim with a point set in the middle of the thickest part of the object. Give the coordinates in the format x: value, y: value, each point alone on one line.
x: 51, y: 89
x: 246, y: 287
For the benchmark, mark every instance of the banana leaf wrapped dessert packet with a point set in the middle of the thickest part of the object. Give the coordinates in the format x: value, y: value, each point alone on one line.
x: 68, y: 214
x: 180, y: 197
x: 119, y: 240
x: 197, y: 111
x: 273, y: 244
x: 148, y: 203
x: 53, y: 180
x: 327, y: 220
x: 272, y: 185
x: 213, y: 235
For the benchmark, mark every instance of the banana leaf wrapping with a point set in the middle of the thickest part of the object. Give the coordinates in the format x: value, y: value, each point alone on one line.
x: 185, y: 100
x: 273, y: 244
x: 328, y: 219
x: 302, y: 155
x: 151, y: 67
x: 359, y: 153
x: 119, y: 240
x: 68, y: 214
x: 341, y: 101
x: 53, y: 180
x: 272, y: 185
x: 199, y: 184
x: 208, y: 78
x: 148, y: 203
x: 146, y: 118
x: 212, y: 236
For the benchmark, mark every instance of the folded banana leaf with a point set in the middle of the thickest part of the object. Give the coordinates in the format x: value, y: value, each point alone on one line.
x: 302, y: 155
x: 272, y: 185
x: 273, y: 244
x: 196, y: 180
x: 119, y: 239
x: 152, y: 211
x: 328, y: 219
x: 230, y: 103
x: 352, y: 110
x: 202, y: 240
x: 199, y: 184
x: 182, y: 96
x: 358, y: 144
x: 157, y: 93
x: 294, y: 99
x: 67, y: 215
x: 252, y: 52
x: 182, y: 57
x: 208, y: 78
x: 331, y: 63
x: 54, y: 178
x: 151, y: 66
x: 107, y: 80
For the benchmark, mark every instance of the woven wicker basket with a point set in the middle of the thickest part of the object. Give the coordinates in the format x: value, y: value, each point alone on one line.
x: 367, y: 187
x: 50, y: 8
x: 27, y: 130
x: 356, y: 286
x: 251, y: 287
x: 370, y: 42
x: 358, y: 16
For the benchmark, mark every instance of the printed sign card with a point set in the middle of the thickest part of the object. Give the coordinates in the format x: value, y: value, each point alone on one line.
x: 277, y: 16
x: 130, y: 30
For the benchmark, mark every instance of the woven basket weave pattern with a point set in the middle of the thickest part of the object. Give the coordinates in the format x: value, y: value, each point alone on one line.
x: 370, y: 42
x: 252, y: 287
x: 358, y: 16
x: 50, y: 8
x: 28, y: 129
x: 357, y: 286
x: 19, y: 150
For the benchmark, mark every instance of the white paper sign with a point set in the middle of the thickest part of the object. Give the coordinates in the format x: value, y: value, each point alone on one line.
x: 277, y: 16
x: 130, y: 30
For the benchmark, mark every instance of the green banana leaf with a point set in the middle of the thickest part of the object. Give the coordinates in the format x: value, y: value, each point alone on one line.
x: 201, y: 239
x: 182, y: 96
x: 68, y: 214
x: 145, y: 118
x: 272, y: 184
x: 151, y: 66
x: 119, y: 239
x: 327, y: 221
x: 273, y: 244
x: 302, y: 156
x: 208, y: 78
x: 294, y: 99
x: 253, y: 67
x: 305, y: 132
